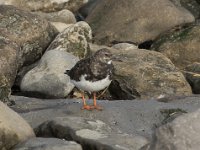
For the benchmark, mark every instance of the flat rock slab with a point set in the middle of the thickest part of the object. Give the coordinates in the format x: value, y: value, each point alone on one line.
x: 136, y: 117
x: 48, y: 144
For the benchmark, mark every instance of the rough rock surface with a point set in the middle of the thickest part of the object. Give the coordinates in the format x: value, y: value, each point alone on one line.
x: 23, y: 39
x: 8, y: 66
x: 144, y: 73
x: 181, y: 134
x: 110, y: 21
x: 180, y: 45
x: 46, y: 5
x: 192, y: 74
x: 47, y: 144
x: 13, y: 128
x: 74, y: 39
x: 48, y: 78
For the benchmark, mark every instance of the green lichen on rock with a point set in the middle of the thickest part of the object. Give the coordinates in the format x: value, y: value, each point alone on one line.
x: 177, y: 34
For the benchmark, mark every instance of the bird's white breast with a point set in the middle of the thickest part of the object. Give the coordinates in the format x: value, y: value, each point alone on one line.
x: 90, y: 86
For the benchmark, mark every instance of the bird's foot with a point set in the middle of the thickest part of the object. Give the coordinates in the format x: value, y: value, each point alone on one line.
x: 87, y: 107
x: 97, y: 107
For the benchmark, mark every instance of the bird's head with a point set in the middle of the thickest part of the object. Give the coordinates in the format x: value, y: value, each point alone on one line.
x: 104, y: 55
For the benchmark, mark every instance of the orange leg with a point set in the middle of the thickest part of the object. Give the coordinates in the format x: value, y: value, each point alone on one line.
x: 95, y: 106
x: 85, y: 106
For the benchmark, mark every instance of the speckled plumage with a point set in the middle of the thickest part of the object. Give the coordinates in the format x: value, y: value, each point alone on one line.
x: 93, y: 71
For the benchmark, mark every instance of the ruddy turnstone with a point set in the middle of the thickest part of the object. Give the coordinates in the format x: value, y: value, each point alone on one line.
x: 92, y: 74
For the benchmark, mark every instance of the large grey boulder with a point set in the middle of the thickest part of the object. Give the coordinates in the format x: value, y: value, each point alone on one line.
x: 48, y: 78
x: 180, y: 45
x: 181, y: 134
x: 47, y: 144
x: 144, y: 20
x: 13, y: 128
x: 23, y: 39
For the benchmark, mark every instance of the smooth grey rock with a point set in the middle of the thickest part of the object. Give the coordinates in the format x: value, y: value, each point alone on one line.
x: 64, y: 16
x: 137, y: 117
x: 47, y: 144
x: 13, y: 128
x: 181, y: 134
x: 48, y: 77
x: 145, y: 20
x: 74, y: 39
x: 124, y: 46
x: 91, y: 133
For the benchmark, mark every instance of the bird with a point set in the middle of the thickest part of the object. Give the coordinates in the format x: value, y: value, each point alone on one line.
x: 92, y: 74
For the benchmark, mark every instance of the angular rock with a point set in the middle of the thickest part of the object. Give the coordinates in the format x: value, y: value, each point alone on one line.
x: 181, y: 134
x: 13, y: 128
x: 48, y: 78
x: 74, y: 39
x: 110, y: 21
x: 23, y: 39
x: 192, y: 74
x: 180, y: 45
x: 145, y: 74
x: 46, y: 5
x: 47, y: 144
x: 91, y: 134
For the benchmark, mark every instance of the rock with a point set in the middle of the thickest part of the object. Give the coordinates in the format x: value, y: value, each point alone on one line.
x: 64, y: 16
x: 192, y: 74
x: 8, y: 67
x: 60, y: 26
x: 91, y: 134
x: 86, y: 9
x: 46, y: 5
x: 23, y: 39
x: 180, y: 45
x: 47, y: 144
x: 124, y: 46
x: 74, y: 39
x: 192, y: 5
x: 30, y: 32
x: 13, y: 128
x: 110, y: 21
x: 48, y: 78
x: 181, y: 134
x: 134, y: 117
x: 145, y: 74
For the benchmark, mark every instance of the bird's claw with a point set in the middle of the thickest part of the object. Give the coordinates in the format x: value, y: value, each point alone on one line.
x: 88, y: 107
x: 97, y: 107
